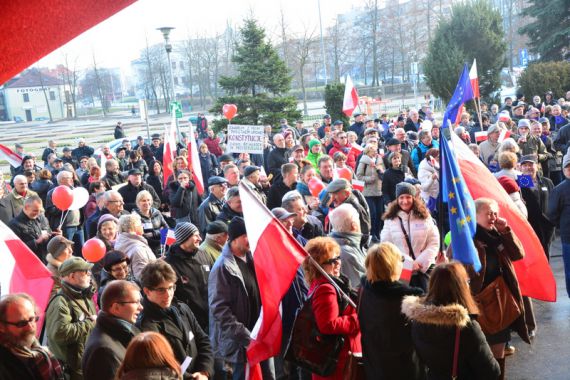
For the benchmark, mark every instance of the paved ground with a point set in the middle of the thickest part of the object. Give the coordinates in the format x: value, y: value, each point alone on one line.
x: 549, y: 355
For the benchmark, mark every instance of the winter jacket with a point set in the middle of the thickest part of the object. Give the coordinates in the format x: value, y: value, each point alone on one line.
x: 54, y: 214
x: 68, y: 324
x: 179, y: 326
x: 275, y: 159
x: 559, y: 209
x: 229, y: 309
x: 213, y: 146
x: 313, y: 158
x: 151, y: 228
x: 211, y: 249
x: 156, y: 182
x: 358, y: 128
x: 184, y: 201
x: 333, y: 318
x: 488, y: 151
x: 163, y: 373
x: 419, y: 153
x: 208, y: 211
x: 276, y: 192
x: 257, y: 190
x: 433, y: 333
x: 227, y: 214
x: 129, y: 194
x: 536, y: 201
x: 192, y: 271
x: 391, y: 178
x: 138, y: 164
x: 119, y: 132
x: 113, y: 179
x: 209, y: 166
x: 79, y: 152
x: 357, y: 201
x: 423, y: 234
x: 106, y: 347
x: 41, y: 187
x: 534, y: 145
x: 429, y: 185
x: 351, y: 255
x: 137, y: 249
x: 14, y: 204
x: 387, y: 346
x: 368, y: 173
x: 348, y: 151
x: 15, y: 367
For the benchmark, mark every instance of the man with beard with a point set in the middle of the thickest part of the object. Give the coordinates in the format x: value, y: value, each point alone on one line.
x: 21, y: 356
x: 113, y: 176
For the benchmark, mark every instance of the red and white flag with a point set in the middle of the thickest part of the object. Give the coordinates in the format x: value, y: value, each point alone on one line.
x: 194, y: 162
x: 169, y: 148
x: 358, y: 184
x: 505, y: 133
x: 350, y: 101
x: 533, y: 272
x: 22, y: 271
x: 408, y: 268
x: 481, y: 136
x: 9, y: 155
x: 277, y: 256
x: 356, y: 149
x: 474, y: 78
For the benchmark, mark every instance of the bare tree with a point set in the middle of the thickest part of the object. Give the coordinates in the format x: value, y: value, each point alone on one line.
x: 70, y: 78
x: 44, y: 90
x: 302, y: 49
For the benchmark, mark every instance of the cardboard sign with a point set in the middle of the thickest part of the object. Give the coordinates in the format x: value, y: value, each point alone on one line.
x: 245, y: 139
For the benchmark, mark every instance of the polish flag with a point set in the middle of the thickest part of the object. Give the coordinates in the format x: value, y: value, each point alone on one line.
x: 9, y: 155
x: 358, y: 184
x: 103, y: 162
x: 277, y: 255
x: 356, y: 149
x: 474, y: 78
x: 194, y: 162
x: 350, y: 101
x: 533, y: 272
x: 22, y: 271
x: 505, y: 133
x: 169, y: 149
x: 407, y: 269
x: 481, y: 136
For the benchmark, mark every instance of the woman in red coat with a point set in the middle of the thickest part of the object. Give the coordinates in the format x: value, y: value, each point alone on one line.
x: 332, y: 314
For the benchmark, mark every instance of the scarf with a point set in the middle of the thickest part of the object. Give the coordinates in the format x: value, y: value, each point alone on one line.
x: 37, y: 359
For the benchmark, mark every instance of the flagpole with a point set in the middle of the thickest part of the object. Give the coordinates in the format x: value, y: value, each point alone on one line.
x: 478, y: 110
x: 313, y: 261
x: 440, y: 215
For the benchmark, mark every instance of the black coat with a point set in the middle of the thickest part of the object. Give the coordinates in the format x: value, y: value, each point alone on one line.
x: 208, y: 164
x: 112, y: 179
x: 129, y: 194
x: 276, y: 193
x: 119, y: 132
x: 536, y: 201
x: 106, y: 347
x: 177, y: 323
x: 79, y: 152
x: 41, y: 186
x: 227, y: 214
x: 433, y: 336
x: 275, y: 159
x: 156, y: 181
x: 391, y: 178
x: 28, y: 230
x: 208, y: 212
x: 387, y: 346
x: 192, y: 271
x: 184, y: 201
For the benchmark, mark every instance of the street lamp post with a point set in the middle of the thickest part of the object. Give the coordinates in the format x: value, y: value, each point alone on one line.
x: 165, y: 30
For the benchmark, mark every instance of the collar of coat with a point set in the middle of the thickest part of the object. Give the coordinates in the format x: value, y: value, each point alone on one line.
x: 417, y: 310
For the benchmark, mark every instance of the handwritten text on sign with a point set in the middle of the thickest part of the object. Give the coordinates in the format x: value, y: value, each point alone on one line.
x: 245, y: 138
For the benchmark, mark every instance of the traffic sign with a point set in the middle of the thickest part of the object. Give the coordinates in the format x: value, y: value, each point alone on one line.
x: 176, y: 107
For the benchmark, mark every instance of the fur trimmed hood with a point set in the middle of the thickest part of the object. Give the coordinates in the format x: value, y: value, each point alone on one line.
x: 415, y: 309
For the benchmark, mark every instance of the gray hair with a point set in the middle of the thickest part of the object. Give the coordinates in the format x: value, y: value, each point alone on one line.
x: 20, y: 178
x: 289, y: 198
x: 128, y: 223
x: 61, y: 174
x: 109, y: 193
x: 232, y: 192
x: 343, y: 217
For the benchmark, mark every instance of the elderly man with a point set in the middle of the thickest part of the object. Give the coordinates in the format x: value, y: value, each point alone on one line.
x: 32, y: 227
x: 71, y: 224
x: 252, y: 179
x: 212, y: 205
x: 426, y: 143
x: 287, y: 182
x: 50, y: 149
x: 13, y: 203
x: 135, y: 185
x: 232, y: 207
x: 216, y: 237
x: 71, y: 315
x: 414, y: 122
x: 341, y: 192
x: 82, y: 150
x: 112, y: 204
x: 114, y: 329
x: 529, y: 143
x: 277, y: 157
x: 304, y: 224
x: 346, y: 231
x: 358, y: 126
x: 21, y: 356
x: 192, y: 267
x: 235, y: 302
x: 394, y: 145
x: 156, y: 147
x: 113, y: 176
x: 489, y: 148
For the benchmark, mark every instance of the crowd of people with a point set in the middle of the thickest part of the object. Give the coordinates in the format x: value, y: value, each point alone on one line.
x: 150, y: 310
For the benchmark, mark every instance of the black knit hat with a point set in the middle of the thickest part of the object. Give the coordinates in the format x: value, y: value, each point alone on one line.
x: 113, y: 258
x: 183, y: 231
x: 236, y: 228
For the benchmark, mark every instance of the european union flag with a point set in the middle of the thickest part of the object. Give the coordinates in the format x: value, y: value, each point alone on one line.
x: 461, y: 209
x: 463, y: 93
x: 525, y: 181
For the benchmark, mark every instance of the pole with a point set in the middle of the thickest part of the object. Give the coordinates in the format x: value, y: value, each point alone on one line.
x: 478, y: 110
x: 322, y: 43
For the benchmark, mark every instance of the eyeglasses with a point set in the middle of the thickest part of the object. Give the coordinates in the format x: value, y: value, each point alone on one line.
x: 164, y: 290
x: 130, y: 302
x: 334, y: 260
x: 24, y: 323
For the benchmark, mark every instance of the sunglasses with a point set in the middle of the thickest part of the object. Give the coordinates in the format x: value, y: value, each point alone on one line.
x: 24, y: 323
x: 332, y: 261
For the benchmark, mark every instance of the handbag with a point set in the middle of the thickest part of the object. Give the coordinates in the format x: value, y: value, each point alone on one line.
x: 497, y: 306
x: 419, y: 279
x: 308, y: 348
x: 354, y: 369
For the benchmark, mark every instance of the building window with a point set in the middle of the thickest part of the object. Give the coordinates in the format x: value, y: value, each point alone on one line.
x: 26, y: 97
x: 52, y: 95
x: 173, y: 65
x: 176, y: 81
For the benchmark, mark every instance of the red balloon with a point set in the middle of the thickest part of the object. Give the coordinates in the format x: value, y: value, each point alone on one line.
x: 229, y: 111
x: 93, y: 250
x: 344, y: 173
x: 62, y: 197
x: 315, y: 186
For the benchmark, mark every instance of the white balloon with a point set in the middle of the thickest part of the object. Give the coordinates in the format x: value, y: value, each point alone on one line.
x: 80, y: 198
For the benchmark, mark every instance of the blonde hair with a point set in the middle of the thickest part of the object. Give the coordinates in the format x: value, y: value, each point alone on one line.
x: 128, y: 223
x: 382, y: 262
x: 141, y: 194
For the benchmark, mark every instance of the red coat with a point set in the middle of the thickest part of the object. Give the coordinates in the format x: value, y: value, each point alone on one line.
x: 325, y: 307
x: 213, y: 146
x: 348, y: 152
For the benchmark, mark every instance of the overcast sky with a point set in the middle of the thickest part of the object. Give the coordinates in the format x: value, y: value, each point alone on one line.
x: 118, y: 40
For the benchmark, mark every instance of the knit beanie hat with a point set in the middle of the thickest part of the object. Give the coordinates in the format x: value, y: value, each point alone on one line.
x: 236, y: 228
x: 314, y: 142
x: 405, y: 188
x: 105, y: 218
x: 183, y: 231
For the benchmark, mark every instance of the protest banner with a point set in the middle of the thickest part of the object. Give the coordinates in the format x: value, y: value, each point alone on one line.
x: 245, y: 139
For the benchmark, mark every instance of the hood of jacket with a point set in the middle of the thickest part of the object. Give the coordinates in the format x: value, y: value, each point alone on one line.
x: 417, y: 310
x: 126, y: 241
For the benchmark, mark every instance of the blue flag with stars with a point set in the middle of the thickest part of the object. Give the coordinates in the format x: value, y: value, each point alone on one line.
x: 462, y: 94
x: 461, y: 209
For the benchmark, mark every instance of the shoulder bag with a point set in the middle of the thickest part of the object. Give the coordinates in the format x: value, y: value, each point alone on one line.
x: 498, y: 308
x: 419, y: 279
